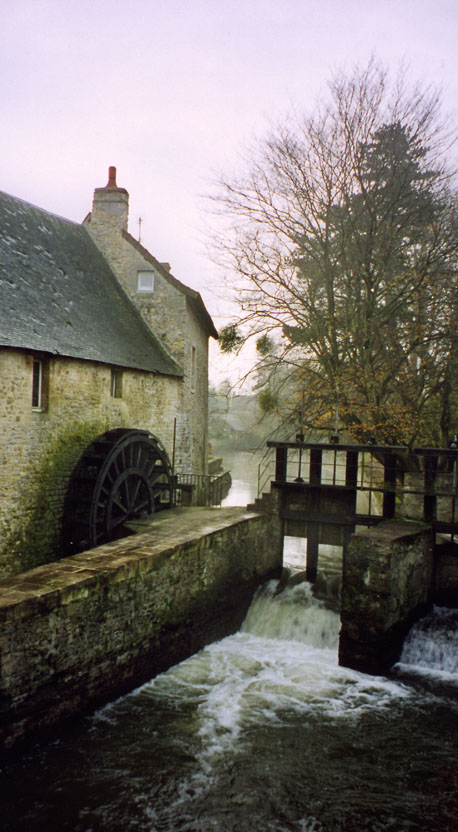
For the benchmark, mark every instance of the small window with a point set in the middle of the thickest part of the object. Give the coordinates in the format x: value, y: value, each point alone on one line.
x: 37, y: 383
x: 193, y: 370
x: 116, y: 384
x: 40, y: 383
x: 145, y: 282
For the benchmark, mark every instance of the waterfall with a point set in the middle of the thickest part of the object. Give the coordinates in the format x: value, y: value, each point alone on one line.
x: 432, y: 644
x: 293, y: 615
x: 259, y: 731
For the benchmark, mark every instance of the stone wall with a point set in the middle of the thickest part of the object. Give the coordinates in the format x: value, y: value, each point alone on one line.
x: 89, y: 628
x: 169, y: 312
x: 40, y: 448
x: 194, y: 397
x: 388, y: 582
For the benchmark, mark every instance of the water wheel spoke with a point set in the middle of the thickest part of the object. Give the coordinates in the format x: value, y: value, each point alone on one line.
x: 118, y: 520
x: 134, y: 493
x: 98, y: 536
x: 125, y: 492
x: 110, y: 477
x: 130, y: 475
x: 156, y: 473
x: 117, y: 503
x: 143, y: 506
x: 141, y: 457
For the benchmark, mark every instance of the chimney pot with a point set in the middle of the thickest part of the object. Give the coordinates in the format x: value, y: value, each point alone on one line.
x: 111, y: 177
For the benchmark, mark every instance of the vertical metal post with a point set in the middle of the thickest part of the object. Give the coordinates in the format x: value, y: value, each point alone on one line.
x: 351, y: 469
x: 174, y: 444
x: 430, y: 499
x: 454, y: 496
x: 389, y: 496
x: 281, y: 462
x: 313, y: 528
x: 299, y: 438
x: 316, y: 458
x: 351, y: 481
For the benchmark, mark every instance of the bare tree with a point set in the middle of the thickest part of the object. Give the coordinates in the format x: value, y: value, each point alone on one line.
x: 342, y: 231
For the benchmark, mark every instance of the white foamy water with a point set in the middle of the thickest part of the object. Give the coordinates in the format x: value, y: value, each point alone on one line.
x: 282, y: 662
x: 432, y: 645
x: 259, y: 732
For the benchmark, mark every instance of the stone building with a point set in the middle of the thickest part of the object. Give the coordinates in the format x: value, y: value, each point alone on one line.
x: 95, y: 335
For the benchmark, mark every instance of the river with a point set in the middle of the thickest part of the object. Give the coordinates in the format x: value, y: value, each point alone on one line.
x: 262, y: 731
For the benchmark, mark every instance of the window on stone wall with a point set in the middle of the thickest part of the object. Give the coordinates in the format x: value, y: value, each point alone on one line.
x: 116, y: 384
x: 37, y: 380
x: 40, y: 380
x: 193, y: 370
x: 145, y: 281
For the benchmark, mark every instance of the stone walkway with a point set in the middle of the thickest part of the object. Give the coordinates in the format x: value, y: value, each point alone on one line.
x: 164, y: 531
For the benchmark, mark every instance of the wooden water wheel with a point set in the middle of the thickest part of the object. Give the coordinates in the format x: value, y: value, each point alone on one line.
x: 123, y: 475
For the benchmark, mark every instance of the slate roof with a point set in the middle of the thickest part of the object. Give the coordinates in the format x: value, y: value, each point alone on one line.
x: 59, y: 295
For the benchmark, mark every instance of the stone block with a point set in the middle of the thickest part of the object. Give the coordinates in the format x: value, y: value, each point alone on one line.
x: 387, y: 583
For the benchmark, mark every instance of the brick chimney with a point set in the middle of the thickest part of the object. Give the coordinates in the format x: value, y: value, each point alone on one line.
x: 110, y: 207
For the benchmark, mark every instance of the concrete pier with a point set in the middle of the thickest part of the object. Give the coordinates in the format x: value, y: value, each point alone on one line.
x: 80, y: 631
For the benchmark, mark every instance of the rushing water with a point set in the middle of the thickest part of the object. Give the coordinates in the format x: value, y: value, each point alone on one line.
x: 260, y: 732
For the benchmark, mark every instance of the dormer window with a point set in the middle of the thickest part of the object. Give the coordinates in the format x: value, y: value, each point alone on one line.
x: 145, y: 281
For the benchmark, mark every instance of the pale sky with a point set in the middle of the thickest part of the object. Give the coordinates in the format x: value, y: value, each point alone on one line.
x: 168, y: 91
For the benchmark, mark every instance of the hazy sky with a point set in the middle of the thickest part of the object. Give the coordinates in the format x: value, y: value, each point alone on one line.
x: 168, y: 91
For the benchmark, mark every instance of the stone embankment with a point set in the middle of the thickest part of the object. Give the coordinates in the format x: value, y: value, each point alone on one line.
x: 88, y: 628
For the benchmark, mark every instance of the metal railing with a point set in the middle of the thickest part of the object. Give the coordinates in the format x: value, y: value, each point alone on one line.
x: 425, y: 489
x: 266, y: 470
x: 201, y: 489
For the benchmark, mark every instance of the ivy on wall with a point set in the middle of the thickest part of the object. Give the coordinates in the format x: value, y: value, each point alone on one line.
x: 33, y: 535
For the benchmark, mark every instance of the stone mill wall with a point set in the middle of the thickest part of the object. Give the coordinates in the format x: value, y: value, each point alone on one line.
x: 88, y: 628
x: 39, y: 447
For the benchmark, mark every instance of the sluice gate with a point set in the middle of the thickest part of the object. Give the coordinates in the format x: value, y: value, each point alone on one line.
x: 403, y: 556
x: 327, y: 490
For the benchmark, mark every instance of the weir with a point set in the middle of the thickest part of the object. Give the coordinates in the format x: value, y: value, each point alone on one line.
x: 327, y: 490
x: 396, y: 529
x: 90, y: 627
x: 260, y: 730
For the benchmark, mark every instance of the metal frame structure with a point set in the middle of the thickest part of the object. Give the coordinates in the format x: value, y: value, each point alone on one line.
x: 321, y: 484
